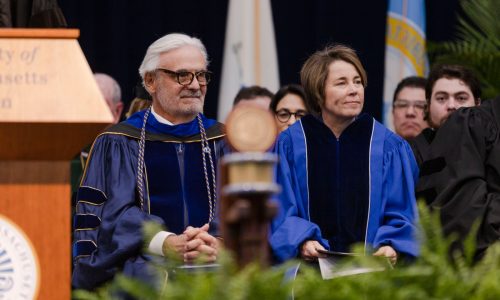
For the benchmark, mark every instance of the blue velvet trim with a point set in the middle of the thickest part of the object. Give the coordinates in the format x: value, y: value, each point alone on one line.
x: 153, y: 126
x: 93, y: 196
x: 83, y: 248
x: 86, y: 222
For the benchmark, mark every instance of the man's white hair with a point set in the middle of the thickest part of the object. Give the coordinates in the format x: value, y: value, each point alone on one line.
x: 164, y: 44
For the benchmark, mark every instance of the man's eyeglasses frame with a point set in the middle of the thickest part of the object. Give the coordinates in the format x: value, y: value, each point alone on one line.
x: 203, y: 77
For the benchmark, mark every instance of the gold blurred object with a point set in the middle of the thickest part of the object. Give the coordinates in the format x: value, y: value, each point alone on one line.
x: 251, y: 129
x: 249, y: 173
x: 247, y: 185
x: 247, y: 181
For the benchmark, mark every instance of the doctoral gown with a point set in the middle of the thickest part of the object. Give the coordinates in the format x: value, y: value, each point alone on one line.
x: 108, y: 220
x: 358, y: 188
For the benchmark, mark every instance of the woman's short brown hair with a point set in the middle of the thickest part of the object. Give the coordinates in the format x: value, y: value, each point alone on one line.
x: 315, y: 72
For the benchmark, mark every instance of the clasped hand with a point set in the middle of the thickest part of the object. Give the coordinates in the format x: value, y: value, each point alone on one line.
x: 194, y: 244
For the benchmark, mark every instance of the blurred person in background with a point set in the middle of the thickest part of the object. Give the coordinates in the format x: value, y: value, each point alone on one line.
x: 288, y: 105
x: 141, y: 101
x: 253, y: 95
x: 408, y: 107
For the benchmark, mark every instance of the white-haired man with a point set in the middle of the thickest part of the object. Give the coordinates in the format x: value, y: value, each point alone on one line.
x: 159, y: 166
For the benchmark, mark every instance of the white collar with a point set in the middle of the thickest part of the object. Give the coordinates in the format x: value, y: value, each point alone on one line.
x: 160, y: 118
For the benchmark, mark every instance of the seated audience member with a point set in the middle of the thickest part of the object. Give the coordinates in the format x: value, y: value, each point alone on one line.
x: 254, y: 95
x: 346, y: 179
x: 157, y: 166
x: 288, y: 105
x: 408, y: 107
x: 448, y: 88
x: 460, y: 175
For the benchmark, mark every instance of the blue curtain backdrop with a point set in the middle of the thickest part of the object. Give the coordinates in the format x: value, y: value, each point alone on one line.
x: 114, y: 35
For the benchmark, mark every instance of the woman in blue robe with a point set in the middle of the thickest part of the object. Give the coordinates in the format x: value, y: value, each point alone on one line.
x: 346, y: 178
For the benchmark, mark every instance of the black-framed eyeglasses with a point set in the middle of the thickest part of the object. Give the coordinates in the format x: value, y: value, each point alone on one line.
x: 186, y: 77
x: 419, y: 105
x: 283, y: 115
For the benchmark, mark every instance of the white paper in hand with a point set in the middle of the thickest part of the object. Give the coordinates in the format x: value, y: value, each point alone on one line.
x: 329, y: 266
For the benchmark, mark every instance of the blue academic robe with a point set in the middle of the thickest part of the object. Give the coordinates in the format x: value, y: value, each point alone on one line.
x: 358, y: 188
x: 108, y: 220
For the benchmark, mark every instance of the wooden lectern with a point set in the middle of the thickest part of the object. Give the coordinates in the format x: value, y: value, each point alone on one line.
x: 50, y: 108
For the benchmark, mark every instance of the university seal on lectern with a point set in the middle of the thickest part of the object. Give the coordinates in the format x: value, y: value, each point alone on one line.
x: 19, y: 269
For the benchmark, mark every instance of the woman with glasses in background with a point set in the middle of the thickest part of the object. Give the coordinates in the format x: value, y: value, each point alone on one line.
x: 288, y: 105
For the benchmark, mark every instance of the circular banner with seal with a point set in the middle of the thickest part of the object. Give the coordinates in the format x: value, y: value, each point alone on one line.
x: 19, y: 268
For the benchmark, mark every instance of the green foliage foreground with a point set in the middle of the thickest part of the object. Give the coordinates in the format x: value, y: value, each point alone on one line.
x: 433, y: 276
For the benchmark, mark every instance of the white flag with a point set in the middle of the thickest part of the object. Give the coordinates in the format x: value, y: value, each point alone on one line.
x: 249, y: 51
x: 405, y: 53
